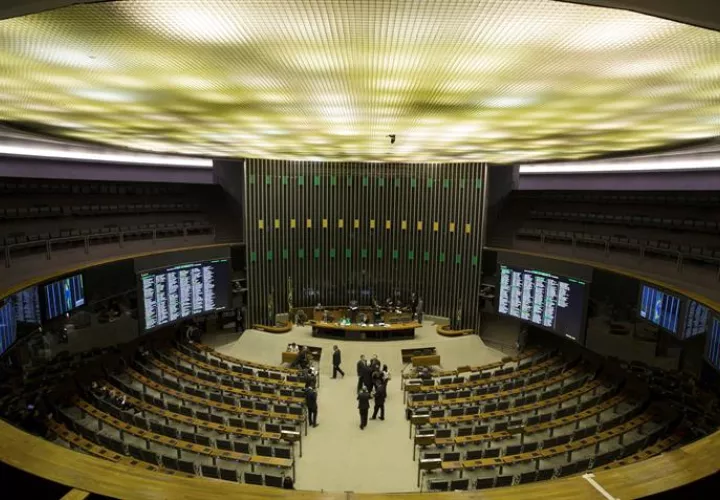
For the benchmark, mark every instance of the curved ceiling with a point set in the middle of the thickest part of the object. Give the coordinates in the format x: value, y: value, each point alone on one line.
x: 502, y: 81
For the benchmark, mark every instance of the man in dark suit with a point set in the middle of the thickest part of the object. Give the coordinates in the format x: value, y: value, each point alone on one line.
x: 311, y: 403
x: 362, y: 370
x: 337, y: 358
x: 364, y: 406
x: 379, y: 402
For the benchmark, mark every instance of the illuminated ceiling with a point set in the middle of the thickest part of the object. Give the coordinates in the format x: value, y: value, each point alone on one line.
x: 455, y: 80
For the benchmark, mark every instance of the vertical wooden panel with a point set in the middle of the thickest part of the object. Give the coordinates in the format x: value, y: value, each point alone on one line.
x: 345, y: 231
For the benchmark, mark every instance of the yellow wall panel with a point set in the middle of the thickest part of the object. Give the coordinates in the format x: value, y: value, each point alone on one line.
x: 308, y: 223
x: 452, y: 227
x: 403, y: 225
x: 372, y: 223
x: 341, y: 223
x: 388, y: 224
x: 436, y: 226
x: 419, y: 225
x: 467, y: 228
x: 356, y: 223
x: 292, y: 224
x: 261, y: 224
x: 277, y: 223
x: 324, y: 223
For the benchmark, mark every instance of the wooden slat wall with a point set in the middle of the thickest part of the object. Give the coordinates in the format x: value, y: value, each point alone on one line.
x: 333, y: 261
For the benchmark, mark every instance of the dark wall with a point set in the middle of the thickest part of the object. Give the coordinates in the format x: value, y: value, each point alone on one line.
x: 181, y: 257
x: 100, y: 171
x: 342, y: 231
x: 230, y: 175
x: 650, y: 181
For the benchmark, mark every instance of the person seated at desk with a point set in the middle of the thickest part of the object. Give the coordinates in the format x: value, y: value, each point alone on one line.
x: 300, y: 317
x: 362, y: 319
x: 302, y: 359
x: 326, y: 316
x: 377, y: 316
x: 292, y: 347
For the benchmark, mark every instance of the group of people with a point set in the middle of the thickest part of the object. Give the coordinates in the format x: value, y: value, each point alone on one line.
x: 112, y: 396
x: 373, y: 378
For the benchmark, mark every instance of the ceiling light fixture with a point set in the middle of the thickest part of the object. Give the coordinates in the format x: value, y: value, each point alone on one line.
x: 658, y: 165
x: 67, y: 154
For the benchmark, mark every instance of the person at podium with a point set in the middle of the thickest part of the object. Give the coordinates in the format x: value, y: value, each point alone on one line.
x: 353, y: 310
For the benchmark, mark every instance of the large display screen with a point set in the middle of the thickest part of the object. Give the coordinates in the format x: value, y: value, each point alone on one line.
x: 552, y: 302
x: 696, y: 319
x: 26, y: 304
x: 8, y: 326
x: 659, y: 308
x: 712, y: 348
x: 178, y: 292
x: 63, y: 296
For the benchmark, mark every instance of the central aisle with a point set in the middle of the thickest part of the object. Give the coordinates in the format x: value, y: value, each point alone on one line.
x: 337, y: 455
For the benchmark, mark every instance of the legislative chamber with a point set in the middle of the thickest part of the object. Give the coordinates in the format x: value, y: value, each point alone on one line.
x: 387, y: 250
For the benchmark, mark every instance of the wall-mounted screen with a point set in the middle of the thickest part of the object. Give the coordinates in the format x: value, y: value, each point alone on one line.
x: 64, y: 295
x: 696, y: 319
x: 182, y: 291
x: 556, y: 303
x: 659, y: 308
x: 27, y: 306
x: 712, y: 348
x: 8, y: 326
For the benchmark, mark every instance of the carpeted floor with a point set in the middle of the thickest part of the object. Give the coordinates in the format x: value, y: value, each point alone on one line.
x: 337, y: 455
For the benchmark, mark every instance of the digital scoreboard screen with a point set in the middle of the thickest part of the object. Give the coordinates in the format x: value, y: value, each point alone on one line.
x: 660, y: 308
x: 696, y: 319
x: 552, y: 302
x: 26, y: 304
x: 8, y: 326
x: 712, y: 348
x: 178, y: 292
x: 64, y: 295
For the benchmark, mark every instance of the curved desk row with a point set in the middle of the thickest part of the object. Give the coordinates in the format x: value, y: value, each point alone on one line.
x: 37, y: 456
x: 395, y: 331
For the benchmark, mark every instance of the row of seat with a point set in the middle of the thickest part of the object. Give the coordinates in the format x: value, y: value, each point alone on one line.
x: 673, y: 224
x: 110, y: 232
x: 512, y: 387
x: 226, y: 384
x: 200, y: 418
x: 149, y: 460
x: 207, y: 353
x: 241, y: 372
x: 265, y: 407
x: 486, y: 378
x: 11, y: 186
x: 44, y: 211
x: 699, y: 199
x: 703, y: 254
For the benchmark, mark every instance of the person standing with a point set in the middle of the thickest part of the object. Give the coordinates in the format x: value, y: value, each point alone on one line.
x: 379, y: 402
x: 311, y: 404
x: 363, y: 406
x: 362, y: 370
x: 337, y: 359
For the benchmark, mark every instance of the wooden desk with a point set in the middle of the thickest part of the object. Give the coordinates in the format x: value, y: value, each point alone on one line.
x: 488, y: 381
x: 100, y: 452
x: 407, y: 354
x: 532, y: 429
x: 243, y: 376
x: 395, y: 331
x: 177, y: 443
x: 242, y: 362
x: 433, y: 360
x: 495, y: 395
x: 223, y: 429
x: 225, y: 388
x: 518, y: 409
x: 214, y: 404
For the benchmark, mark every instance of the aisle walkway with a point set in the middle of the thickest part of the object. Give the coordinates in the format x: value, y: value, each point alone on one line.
x: 338, y: 456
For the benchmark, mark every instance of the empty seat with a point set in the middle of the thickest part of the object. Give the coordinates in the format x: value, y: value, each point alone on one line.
x: 209, y: 471
x: 459, y: 484
x: 438, y: 485
x: 228, y: 474
x: 185, y: 466
x: 251, y: 478
x: 275, y: 481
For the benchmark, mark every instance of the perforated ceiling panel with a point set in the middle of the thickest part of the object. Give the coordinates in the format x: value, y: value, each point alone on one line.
x: 454, y: 80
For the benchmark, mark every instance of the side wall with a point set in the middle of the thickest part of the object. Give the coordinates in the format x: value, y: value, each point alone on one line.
x: 338, y: 232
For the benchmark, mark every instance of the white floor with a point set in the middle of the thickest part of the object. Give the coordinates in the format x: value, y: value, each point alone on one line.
x: 337, y: 455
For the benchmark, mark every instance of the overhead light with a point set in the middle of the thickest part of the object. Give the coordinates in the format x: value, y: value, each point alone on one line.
x: 170, y: 161
x: 649, y: 165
